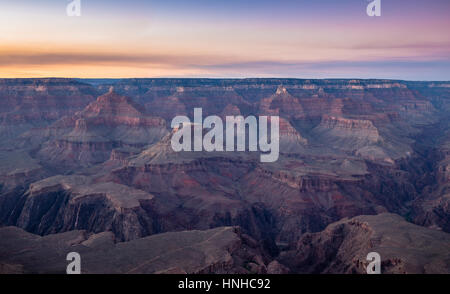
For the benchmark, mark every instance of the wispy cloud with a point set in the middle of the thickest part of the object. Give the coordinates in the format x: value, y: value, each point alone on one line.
x: 225, y: 38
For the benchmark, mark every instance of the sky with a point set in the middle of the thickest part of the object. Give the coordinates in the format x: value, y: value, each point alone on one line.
x: 226, y: 39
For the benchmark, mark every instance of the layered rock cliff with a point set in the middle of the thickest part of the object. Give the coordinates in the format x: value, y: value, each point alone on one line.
x: 70, y: 161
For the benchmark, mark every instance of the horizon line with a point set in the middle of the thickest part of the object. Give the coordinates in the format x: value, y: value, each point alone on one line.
x: 222, y: 78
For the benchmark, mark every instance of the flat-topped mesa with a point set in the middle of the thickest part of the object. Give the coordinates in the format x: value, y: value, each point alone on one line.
x: 348, y: 85
x: 344, y: 127
x: 345, y: 123
x: 110, y: 206
x: 385, y: 86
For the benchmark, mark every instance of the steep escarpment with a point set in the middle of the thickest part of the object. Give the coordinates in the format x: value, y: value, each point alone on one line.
x: 432, y: 208
x: 343, y: 247
x: 31, y: 103
x: 291, y: 141
x: 341, y: 127
x: 65, y: 203
x: 346, y: 133
x: 183, y: 99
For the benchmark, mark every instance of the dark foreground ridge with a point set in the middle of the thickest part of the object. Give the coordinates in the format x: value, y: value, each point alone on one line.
x: 341, y: 248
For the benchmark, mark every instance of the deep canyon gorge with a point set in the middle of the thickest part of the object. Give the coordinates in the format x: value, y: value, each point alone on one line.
x: 86, y: 165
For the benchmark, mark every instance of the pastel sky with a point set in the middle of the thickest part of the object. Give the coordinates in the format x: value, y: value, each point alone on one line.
x: 230, y: 38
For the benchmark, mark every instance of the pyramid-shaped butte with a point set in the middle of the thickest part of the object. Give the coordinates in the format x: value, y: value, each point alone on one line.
x: 112, y: 121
